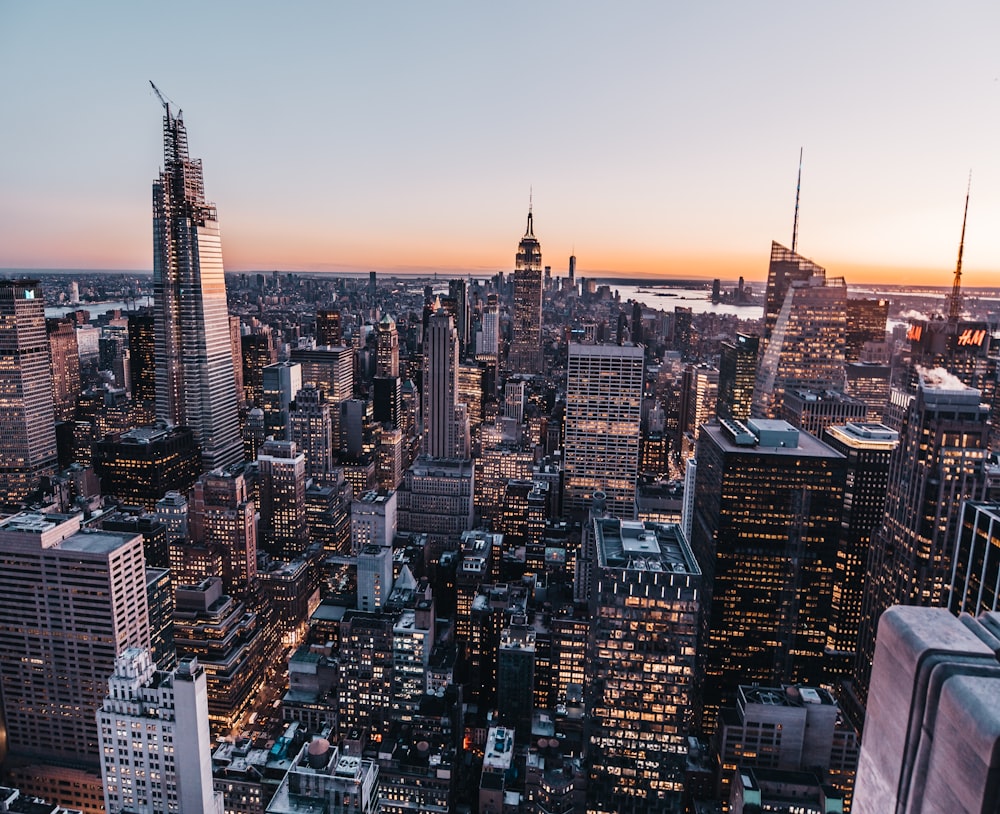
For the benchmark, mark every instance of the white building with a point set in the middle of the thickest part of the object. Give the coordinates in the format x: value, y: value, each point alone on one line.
x: 373, y: 520
x: 155, y: 741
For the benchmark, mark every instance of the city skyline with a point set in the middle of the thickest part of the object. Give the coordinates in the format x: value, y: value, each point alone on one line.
x: 649, y: 136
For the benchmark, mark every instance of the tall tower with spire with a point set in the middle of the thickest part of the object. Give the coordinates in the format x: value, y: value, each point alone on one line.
x: 526, y: 343
x: 195, y: 382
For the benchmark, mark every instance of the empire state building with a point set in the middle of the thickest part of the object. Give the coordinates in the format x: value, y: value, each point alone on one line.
x: 526, y: 342
x: 195, y: 380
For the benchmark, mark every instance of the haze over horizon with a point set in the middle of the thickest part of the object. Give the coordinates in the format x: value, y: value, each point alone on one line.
x: 660, y: 141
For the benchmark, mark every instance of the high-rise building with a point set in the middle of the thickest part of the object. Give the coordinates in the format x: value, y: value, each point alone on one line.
x: 459, y: 292
x: 737, y: 375
x: 156, y: 747
x: 813, y: 411
x: 259, y: 351
x: 975, y: 582
x: 281, y: 384
x: 938, y: 464
x: 443, y: 435
x: 932, y: 733
x: 806, y: 345
x: 71, y: 600
x: 603, y: 409
x: 27, y: 414
x: 140, y: 466
x: 767, y: 513
x: 142, y: 358
x: 328, y: 329
x: 311, y: 428
x: 386, y: 348
x: 222, y: 515
x: 330, y: 369
x: 322, y: 777
x: 868, y: 449
x: 785, y: 267
x: 65, y: 356
x: 436, y: 499
x: 195, y: 385
x: 643, y: 700
x: 526, y: 342
x: 282, y: 483
x: 373, y: 520
x: 866, y: 322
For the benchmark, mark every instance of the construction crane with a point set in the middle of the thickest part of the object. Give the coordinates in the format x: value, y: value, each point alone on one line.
x: 955, y: 301
x: 163, y: 101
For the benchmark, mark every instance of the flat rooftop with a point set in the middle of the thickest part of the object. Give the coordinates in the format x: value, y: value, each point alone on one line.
x: 808, y: 445
x: 643, y: 546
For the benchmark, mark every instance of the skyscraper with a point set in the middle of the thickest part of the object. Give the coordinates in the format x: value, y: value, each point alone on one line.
x: 27, y: 414
x: 603, y: 411
x: 975, y: 582
x: 71, y: 600
x: 526, y: 343
x: 65, y: 367
x: 767, y: 512
x: 737, y: 374
x: 868, y: 449
x: 806, y: 346
x: 387, y: 348
x: 443, y: 437
x: 328, y: 329
x: 222, y: 515
x: 282, y: 476
x: 938, y: 464
x: 156, y: 753
x: 785, y: 267
x: 932, y: 734
x: 645, y: 610
x: 195, y: 383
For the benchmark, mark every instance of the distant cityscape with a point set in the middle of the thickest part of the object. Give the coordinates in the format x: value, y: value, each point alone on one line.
x: 530, y: 542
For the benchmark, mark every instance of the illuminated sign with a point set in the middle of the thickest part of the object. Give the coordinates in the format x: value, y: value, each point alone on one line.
x: 970, y: 337
x: 914, y: 333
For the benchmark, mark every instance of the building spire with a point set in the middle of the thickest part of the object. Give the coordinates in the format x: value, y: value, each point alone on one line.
x: 530, y: 232
x: 798, y: 189
x: 955, y: 301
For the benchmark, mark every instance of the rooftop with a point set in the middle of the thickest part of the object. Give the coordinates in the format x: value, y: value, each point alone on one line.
x: 643, y: 546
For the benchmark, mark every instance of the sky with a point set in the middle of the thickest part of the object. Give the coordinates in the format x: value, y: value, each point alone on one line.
x: 654, y: 138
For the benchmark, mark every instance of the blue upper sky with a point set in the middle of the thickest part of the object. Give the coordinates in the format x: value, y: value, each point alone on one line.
x: 658, y: 137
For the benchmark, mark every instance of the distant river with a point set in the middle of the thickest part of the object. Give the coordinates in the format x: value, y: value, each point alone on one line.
x: 95, y: 308
x: 699, y: 300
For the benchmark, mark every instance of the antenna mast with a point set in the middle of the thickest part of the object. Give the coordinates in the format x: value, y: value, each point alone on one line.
x: 798, y: 188
x: 955, y: 301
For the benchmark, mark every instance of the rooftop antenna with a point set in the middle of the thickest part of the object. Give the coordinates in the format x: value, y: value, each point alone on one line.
x: 798, y: 189
x: 955, y: 301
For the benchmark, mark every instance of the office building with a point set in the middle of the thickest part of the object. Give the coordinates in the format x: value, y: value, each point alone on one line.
x: 932, y: 734
x: 937, y: 465
x: 604, y: 385
x: 229, y: 641
x: 27, y: 412
x: 806, y: 346
x: 389, y: 458
x: 737, y: 375
x: 436, y: 499
x: 516, y: 663
x: 869, y: 382
x: 767, y: 512
x: 311, y: 429
x: 328, y: 328
x: 813, y: 411
x: 281, y: 382
x: 788, y: 729
x: 281, y: 472
x: 785, y: 267
x: 140, y: 466
x: 526, y: 343
x: 975, y: 581
x: 373, y: 520
x: 387, y: 348
x: 65, y: 363
x: 142, y: 358
x: 221, y: 515
x: 195, y: 385
x: 699, y: 399
x: 444, y: 434
x: 645, y: 608
x: 155, y: 744
x: 364, y: 701
x: 868, y: 449
x: 259, y: 351
x: 866, y: 322
x: 87, y: 588
x: 330, y: 369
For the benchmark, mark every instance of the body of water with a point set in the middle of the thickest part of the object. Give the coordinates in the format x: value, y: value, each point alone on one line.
x: 699, y: 300
x: 95, y: 308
